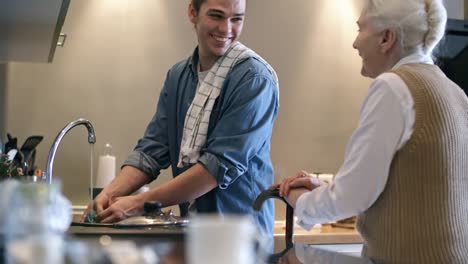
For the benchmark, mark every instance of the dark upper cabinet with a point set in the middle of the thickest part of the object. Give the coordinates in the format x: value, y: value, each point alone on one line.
x: 452, y: 53
x: 31, y: 29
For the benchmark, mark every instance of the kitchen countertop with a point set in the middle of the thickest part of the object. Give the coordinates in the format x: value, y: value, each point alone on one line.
x: 140, y: 231
x: 140, y: 236
x: 298, y: 254
x: 173, y: 252
x: 174, y: 238
x: 302, y: 252
x: 308, y: 254
x: 325, y: 234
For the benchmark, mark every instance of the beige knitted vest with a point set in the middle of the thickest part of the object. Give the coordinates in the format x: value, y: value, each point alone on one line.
x: 422, y: 214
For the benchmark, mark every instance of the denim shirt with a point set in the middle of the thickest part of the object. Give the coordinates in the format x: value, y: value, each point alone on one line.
x: 237, y: 151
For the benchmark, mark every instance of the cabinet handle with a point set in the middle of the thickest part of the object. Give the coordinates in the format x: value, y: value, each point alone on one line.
x: 62, y: 38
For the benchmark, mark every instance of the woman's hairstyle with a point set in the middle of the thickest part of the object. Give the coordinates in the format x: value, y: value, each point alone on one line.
x: 420, y: 24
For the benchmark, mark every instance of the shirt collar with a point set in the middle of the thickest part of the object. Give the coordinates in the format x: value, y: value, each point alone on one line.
x: 416, y: 57
x: 193, y: 62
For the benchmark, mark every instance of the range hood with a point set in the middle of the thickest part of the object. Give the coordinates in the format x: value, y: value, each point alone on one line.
x: 30, y: 29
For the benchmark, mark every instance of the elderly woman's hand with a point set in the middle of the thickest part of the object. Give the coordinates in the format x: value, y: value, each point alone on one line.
x: 302, y: 179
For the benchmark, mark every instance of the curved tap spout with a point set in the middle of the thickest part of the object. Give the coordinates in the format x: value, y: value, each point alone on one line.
x: 50, y: 160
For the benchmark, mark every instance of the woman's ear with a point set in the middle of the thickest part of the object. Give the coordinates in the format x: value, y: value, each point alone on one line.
x: 388, y: 40
x: 192, y: 14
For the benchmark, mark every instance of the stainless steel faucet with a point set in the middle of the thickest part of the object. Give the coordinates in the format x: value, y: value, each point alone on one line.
x: 50, y: 160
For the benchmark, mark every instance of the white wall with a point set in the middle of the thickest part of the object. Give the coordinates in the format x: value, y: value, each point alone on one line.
x: 116, y: 57
x: 110, y: 71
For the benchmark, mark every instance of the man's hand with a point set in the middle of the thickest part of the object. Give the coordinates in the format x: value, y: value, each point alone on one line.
x: 128, y: 181
x: 122, y: 208
x: 101, y: 202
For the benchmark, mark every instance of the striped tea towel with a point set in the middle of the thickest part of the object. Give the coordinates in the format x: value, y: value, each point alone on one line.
x: 198, y: 114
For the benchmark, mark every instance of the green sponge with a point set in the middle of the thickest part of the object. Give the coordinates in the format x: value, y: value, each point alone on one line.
x: 91, y: 217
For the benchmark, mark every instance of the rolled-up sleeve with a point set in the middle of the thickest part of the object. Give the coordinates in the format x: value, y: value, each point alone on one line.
x: 243, y: 127
x: 151, y: 154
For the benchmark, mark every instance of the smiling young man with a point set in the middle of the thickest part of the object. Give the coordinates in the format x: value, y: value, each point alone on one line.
x: 215, y: 33
x: 212, y: 126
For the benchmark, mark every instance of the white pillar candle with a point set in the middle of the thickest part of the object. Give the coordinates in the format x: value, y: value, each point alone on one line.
x: 106, y: 170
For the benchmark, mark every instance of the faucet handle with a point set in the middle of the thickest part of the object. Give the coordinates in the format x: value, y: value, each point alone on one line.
x: 152, y: 208
x: 41, y: 175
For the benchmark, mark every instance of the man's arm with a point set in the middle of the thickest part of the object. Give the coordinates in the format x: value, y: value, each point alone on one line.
x: 187, y: 186
x: 248, y: 110
x: 127, y: 181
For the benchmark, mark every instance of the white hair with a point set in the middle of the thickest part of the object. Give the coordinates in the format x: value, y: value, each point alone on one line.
x: 420, y: 24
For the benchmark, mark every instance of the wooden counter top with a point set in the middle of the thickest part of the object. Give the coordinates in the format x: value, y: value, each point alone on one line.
x: 326, y: 234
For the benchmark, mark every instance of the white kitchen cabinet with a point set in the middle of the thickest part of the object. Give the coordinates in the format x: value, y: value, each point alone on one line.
x: 30, y: 29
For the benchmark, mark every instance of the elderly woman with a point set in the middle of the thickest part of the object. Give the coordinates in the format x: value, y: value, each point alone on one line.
x: 405, y: 172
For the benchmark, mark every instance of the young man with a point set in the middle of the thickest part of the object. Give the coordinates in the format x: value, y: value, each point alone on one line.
x: 212, y: 126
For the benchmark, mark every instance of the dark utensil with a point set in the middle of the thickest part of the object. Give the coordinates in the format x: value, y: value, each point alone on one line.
x: 31, y: 143
x: 11, y: 143
x: 29, y: 152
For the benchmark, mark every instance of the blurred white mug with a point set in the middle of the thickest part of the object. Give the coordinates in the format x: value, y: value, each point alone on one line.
x: 228, y: 239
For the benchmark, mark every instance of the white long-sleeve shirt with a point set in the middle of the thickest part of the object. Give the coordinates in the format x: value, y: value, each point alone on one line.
x: 385, y: 125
